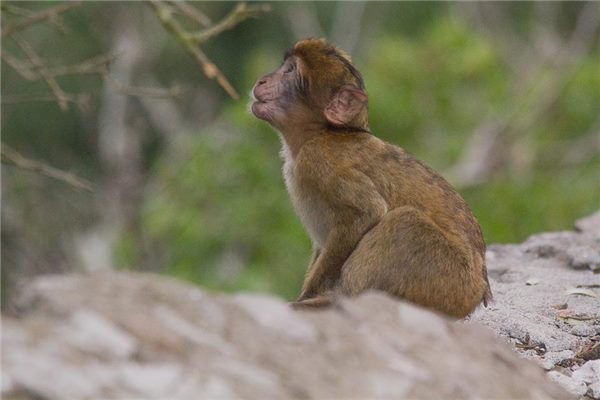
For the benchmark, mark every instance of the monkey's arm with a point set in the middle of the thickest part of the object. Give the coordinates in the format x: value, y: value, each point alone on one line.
x: 357, y: 207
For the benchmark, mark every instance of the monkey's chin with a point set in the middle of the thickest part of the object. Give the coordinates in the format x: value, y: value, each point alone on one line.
x: 260, y: 110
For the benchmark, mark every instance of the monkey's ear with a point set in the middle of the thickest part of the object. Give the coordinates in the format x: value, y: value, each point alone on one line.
x: 346, y: 104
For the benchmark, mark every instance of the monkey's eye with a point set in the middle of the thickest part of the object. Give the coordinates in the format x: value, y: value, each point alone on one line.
x: 290, y: 68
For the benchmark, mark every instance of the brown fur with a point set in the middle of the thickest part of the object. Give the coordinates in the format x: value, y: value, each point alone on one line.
x: 378, y: 218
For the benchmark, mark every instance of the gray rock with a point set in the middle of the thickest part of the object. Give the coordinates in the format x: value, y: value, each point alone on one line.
x: 588, y: 373
x: 551, y: 358
x: 590, y: 224
x: 554, y: 319
x: 571, y: 385
x: 578, y: 250
x: 594, y: 390
x: 125, y: 335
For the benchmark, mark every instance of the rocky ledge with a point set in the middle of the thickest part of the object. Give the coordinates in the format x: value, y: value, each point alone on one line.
x: 126, y: 335
x: 547, y: 303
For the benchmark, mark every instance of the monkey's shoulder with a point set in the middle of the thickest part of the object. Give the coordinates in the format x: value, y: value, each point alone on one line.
x: 337, y: 153
x: 340, y: 149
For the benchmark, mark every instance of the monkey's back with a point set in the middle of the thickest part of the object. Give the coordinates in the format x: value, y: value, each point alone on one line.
x: 401, y: 180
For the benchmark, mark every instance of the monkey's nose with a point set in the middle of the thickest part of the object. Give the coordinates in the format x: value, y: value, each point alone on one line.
x: 261, y: 81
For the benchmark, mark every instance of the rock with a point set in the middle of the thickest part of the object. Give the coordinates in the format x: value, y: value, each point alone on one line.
x: 589, y: 374
x: 553, y: 321
x: 125, y: 335
x: 571, y: 385
x: 584, y: 330
x: 594, y: 390
x: 579, y: 250
x: 590, y: 224
x: 552, y: 358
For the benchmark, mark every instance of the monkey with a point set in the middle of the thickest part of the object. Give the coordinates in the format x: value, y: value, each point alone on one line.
x: 378, y: 218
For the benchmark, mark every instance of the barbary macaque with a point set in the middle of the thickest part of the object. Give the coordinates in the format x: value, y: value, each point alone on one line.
x: 378, y: 218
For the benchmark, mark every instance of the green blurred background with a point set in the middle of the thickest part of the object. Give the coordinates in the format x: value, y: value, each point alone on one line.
x: 502, y: 98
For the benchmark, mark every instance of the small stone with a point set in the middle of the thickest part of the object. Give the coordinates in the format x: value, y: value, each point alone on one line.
x: 594, y: 390
x: 589, y: 224
x: 532, y: 281
x: 583, y: 330
x: 569, y: 384
x: 552, y: 358
x: 584, y: 256
x: 589, y: 372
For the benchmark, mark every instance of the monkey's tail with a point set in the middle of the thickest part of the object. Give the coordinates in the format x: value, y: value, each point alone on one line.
x: 488, y: 293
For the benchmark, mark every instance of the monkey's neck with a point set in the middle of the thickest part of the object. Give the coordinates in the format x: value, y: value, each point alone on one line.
x: 295, y: 136
x: 349, y: 129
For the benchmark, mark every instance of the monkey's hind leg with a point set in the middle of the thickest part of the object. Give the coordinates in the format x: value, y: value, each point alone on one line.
x: 407, y: 255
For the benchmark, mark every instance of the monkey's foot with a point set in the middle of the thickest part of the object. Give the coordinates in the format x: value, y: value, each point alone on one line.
x: 313, y: 303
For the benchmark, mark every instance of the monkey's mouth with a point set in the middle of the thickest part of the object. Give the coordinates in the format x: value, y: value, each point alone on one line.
x: 261, y: 107
x: 262, y: 99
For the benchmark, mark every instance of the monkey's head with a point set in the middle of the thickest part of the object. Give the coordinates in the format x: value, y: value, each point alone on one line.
x: 317, y: 84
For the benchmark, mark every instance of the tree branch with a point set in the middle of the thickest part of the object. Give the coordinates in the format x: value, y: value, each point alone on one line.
x: 12, y: 157
x: 240, y: 13
x: 23, y: 68
x: 95, y: 65
x: 191, y: 12
x: 48, y: 13
x: 60, y: 95
x: 191, y: 41
x: 78, y: 99
x: 140, y: 91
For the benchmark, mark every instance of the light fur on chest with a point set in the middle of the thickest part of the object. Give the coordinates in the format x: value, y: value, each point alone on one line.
x: 311, y: 210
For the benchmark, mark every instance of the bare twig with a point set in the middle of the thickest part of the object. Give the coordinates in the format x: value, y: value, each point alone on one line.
x: 95, y: 65
x: 21, y: 67
x: 191, y: 12
x: 141, y: 91
x: 191, y: 41
x: 24, y: 12
x: 26, y: 98
x: 240, y: 13
x: 60, y: 95
x: 12, y: 157
x: 48, y: 13
x: 81, y: 100
x: 211, y: 71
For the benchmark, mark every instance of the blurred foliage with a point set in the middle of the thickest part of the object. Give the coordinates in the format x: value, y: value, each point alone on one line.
x: 429, y: 93
x: 215, y: 210
x: 246, y: 234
